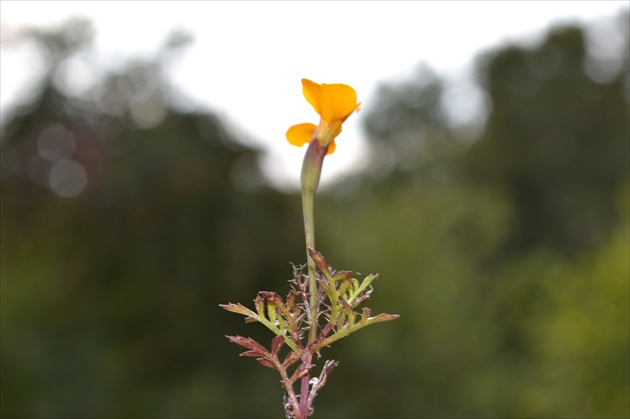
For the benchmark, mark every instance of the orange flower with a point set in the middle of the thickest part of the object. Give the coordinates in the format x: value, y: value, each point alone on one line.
x: 334, y: 103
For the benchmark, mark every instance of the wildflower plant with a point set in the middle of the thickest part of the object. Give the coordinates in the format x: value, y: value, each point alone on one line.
x: 322, y: 305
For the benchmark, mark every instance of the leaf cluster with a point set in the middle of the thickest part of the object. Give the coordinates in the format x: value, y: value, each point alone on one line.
x: 290, y: 319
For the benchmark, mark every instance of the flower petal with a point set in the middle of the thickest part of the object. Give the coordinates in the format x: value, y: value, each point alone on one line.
x: 331, y: 148
x: 312, y: 93
x: 300, y: 134
x: 331, y: 101
x: 338, y: 101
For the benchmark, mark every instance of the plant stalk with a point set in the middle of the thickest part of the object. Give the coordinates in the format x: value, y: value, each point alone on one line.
x: 311, y: 172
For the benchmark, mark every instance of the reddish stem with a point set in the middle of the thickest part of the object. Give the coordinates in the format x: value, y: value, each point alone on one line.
x: 304, y: 391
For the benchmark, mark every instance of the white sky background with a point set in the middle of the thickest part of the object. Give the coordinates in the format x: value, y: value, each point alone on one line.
x: 248, y: 58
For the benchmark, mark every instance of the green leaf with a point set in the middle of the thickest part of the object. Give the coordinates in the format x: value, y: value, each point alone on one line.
x: 239, y: 309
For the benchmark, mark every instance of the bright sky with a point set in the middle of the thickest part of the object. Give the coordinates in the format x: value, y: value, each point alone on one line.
x: 248, y: 57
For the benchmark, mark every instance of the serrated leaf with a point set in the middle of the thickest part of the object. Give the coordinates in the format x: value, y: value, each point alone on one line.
x: 345, y: 276
x: 290, y: 300
x: 383, y: 317
x: 259, y: 302
x: 256, y: 354
x: 345, y: 291
x: 362, y: 297
x: 341, y: 319
x: 368, y: 280
x: 319, y: 260
x: 365, y: 313
x: 247, y: 343
x: 326, y: 287
x: 266, y: 362
x: 239, y: 309
x: 276, y: 344
x: 319, y: 382
x: 271, y: 297
x: 347, y: 308
x: 271, y: 313
x: 300, y: 372
x: 291, y: 358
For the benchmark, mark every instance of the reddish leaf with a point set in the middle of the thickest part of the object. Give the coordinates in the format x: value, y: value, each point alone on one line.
x: 254, y: 354
x: 271, y: 297
x: 291, y: 358
x: 247, y: 343
x: 276, y: 344
x: 290, y: 299
x: 300, y: 372
x: 266, y: 362
x: 365, y: 313
x: 319, y: 260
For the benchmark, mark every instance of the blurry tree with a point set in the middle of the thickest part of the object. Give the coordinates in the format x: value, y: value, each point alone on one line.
x: 407, y: 130
x: 125, y: 222
x: 556, y: 141
x: 508, y: 308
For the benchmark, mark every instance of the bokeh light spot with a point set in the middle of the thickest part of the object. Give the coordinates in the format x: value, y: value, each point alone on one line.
x: 56, y: 142
x: 68, y: 178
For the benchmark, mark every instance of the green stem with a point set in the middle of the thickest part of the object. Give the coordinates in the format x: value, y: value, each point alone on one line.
x: 311, y: 172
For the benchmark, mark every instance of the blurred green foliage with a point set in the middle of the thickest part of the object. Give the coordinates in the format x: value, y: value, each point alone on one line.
x: 507, y: 258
